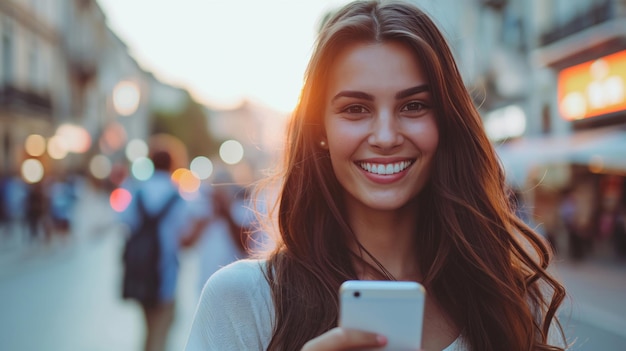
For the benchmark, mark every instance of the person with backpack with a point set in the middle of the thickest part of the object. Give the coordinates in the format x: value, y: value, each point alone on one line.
x: 156, y: 218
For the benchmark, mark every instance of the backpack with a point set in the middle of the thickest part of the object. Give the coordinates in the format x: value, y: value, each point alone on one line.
x: 141, y: 256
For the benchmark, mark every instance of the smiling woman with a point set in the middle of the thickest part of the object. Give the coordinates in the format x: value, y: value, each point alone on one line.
x: 388, y: 175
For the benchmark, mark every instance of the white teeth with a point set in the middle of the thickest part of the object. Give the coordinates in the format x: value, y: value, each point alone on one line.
x: 387, y: 169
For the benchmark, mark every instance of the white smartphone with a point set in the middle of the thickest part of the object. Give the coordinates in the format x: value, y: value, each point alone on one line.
x: 390, y: 308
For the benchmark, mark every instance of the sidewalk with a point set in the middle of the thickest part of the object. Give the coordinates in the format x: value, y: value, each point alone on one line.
x: 92, y: 217
x: 73, y: 287
x: 597, y: 294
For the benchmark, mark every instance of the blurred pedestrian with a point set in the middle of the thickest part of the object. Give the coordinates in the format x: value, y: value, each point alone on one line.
x: 62, y: 200
x: 4, y: 211
x: 222, y: 227
x: 14, y: 197
x: 573, y: 218
x: 154, y: 194
x: 619, y: 235
x: 37, y: 211
x: 389, y: 175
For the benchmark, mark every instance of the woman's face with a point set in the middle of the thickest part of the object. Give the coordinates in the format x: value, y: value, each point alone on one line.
x: 380, y: 125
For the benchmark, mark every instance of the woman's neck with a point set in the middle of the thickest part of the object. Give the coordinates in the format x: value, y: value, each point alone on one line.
x: 390, y: 237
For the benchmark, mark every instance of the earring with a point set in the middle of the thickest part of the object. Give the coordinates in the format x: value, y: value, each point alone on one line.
x: 323, y: 144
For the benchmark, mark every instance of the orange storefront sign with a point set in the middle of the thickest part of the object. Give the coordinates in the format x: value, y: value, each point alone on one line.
x: 593, y: 88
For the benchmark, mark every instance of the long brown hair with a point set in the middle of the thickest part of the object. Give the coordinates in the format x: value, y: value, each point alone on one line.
x: 486, y: 267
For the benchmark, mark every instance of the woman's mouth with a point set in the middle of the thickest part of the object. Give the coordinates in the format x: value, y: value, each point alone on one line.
x: 386, y: 168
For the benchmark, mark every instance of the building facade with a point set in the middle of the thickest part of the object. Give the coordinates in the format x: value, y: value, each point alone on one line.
x: 31, y: 91
x: 61, y: 65
x: 571, y: 58
x: 549, y: 79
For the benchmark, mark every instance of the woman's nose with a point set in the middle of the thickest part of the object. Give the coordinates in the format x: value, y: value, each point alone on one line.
x: 386, y: 133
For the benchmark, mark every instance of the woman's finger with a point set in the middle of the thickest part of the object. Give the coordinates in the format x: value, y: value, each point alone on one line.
x: 344, y: 339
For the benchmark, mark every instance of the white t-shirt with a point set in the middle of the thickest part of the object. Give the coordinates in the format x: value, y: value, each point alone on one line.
x: 235, y: 311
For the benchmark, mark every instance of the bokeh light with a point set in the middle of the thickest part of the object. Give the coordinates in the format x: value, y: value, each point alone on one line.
x: 231, y: 152
x: 57, y: 148
x: 113, y: 137
x: 135, y: 149
x: 201, y: 167
x: 177, y: 175
x: 35, y: 145
x: 32, y: 170
x: 126, y: 97
x: 142, y: 168
x: 76, y: 138
x: 188, y: 182
x: 120, y: 199
x: 100, y: 166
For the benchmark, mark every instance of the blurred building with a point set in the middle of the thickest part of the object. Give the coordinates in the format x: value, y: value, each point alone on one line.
x: 549, y: 78
x: 68, y: 79
x: 579, y: 49
x: 31, y: 93
x: 517, y: 58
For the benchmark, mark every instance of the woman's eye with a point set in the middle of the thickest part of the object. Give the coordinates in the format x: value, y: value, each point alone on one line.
x: 355, y: 109
x: 414, y: 106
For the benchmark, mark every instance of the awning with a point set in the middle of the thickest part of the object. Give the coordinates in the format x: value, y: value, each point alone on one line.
x: 603, y: 150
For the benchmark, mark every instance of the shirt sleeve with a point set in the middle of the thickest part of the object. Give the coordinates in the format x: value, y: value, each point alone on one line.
x: 234, y: 311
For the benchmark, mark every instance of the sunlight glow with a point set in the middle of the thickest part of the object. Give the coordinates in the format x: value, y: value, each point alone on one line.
x: 246, y: 53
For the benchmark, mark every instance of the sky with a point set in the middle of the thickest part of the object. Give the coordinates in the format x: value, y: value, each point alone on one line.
x: 223, y: 51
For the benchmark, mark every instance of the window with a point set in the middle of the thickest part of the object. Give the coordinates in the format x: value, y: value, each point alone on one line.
x: 7, y: 54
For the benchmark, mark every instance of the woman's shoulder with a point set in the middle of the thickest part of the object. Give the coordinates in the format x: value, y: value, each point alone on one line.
x: 243, y: 271
x: 235, y: 310
x: 241, y: 279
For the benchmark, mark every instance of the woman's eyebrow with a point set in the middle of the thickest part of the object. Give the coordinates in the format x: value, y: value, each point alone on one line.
x: 365, y: 96
x: 412, y: 91
x: 353, y: 94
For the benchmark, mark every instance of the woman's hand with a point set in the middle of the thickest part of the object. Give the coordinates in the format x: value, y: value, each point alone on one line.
x: 339, y: 338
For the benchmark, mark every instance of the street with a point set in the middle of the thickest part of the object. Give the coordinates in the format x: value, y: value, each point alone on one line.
x: 594, y: 315
x: 65, y: 296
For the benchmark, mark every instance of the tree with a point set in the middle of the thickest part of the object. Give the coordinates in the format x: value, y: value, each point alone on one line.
x: 189, y: 125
